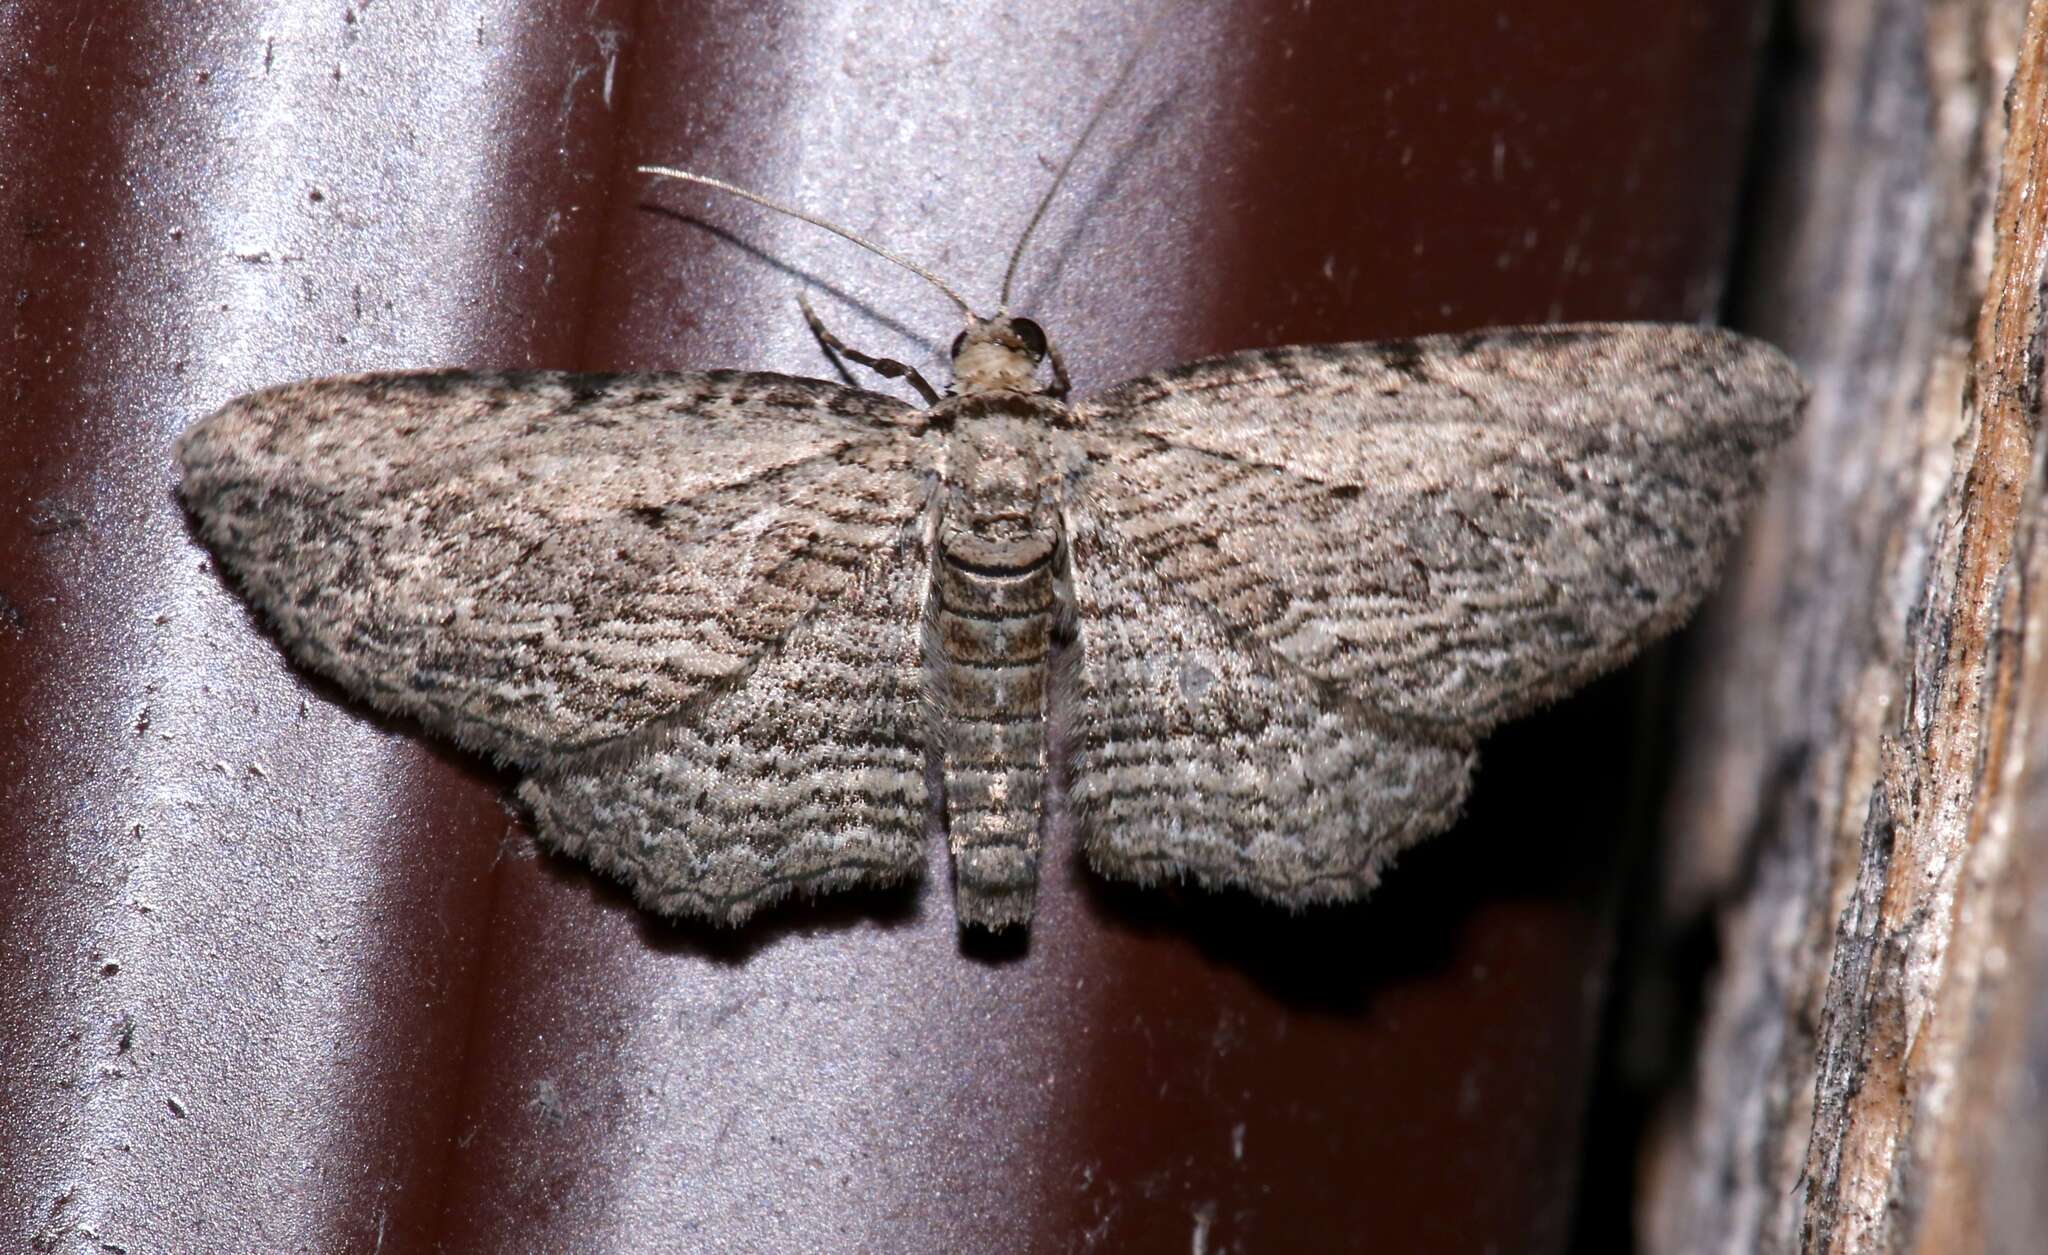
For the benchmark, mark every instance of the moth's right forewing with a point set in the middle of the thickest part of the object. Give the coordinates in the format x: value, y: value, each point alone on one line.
x: 1454, y: 529
x: 532, y: 563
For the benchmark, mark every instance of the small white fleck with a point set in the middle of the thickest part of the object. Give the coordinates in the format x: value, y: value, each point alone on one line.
x: 547, y: 1101
x: 1205, y: 1217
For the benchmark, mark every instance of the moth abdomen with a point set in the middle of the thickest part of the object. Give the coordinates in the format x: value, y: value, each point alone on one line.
x: 988, y: 641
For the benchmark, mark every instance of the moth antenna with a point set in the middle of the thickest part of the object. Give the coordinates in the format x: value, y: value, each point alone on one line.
x: 685, y: 176
x: 1059, y: 178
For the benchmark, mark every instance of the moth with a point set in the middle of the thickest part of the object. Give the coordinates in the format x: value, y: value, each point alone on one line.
x: 1241, y: 622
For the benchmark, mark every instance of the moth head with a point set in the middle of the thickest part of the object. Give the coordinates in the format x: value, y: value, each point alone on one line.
x: 1000, y: 354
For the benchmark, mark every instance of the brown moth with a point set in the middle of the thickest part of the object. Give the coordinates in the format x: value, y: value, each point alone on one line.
x: 1242, y: 622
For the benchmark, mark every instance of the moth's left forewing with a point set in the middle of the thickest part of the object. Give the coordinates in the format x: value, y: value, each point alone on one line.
x: 537, y: 561
x: 686, y: 606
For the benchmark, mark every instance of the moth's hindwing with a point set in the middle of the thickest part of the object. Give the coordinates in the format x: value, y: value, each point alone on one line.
x: 1196, y: 755
x: 805, y: 774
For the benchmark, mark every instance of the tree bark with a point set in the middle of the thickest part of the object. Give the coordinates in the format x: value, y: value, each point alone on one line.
x: 1854, y: 804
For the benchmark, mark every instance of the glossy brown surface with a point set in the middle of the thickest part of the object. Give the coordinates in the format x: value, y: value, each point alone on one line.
x: 276, y: 975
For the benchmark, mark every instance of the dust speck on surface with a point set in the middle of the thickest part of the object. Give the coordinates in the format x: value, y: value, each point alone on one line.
x: 1205, y: 1220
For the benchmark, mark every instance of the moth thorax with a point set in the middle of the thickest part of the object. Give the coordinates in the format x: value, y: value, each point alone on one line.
x: 999, y: 481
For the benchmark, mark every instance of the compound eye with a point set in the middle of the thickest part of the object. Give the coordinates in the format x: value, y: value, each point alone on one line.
x: 957, y: 342
x: 1031, y: 334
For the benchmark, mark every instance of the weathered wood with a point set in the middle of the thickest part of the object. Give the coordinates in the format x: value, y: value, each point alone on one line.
x: 1854, y: 802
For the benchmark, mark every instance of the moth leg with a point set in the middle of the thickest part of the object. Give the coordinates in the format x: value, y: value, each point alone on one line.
x: 886, y: 367
x: 1060, y: 384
